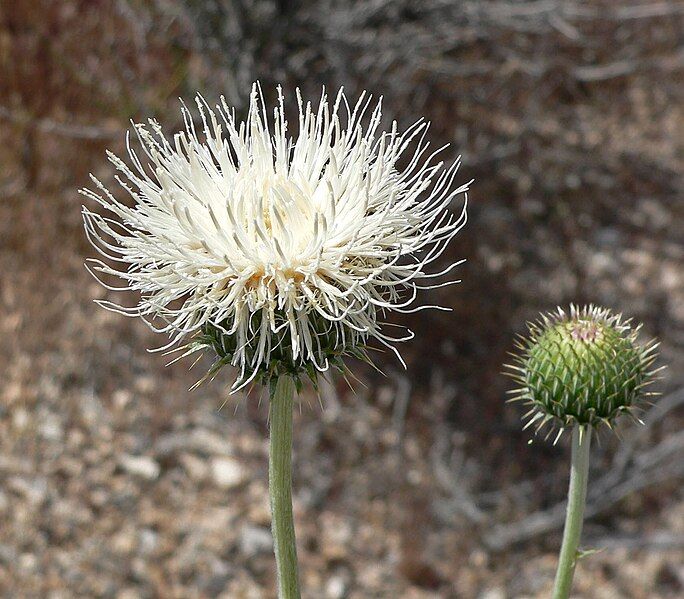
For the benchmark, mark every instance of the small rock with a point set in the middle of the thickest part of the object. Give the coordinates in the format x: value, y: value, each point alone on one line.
x: 122, y: 397
x: 336, y: 534
x: 227, y: 472
x: 197, y: 468
x: 20, y: 419
x: 51, y: 428
x: 216, y: 581
x: 259, y: 511
x: 199, y: 440
x: 125, y: 541
x: 145, y: 384
x: 254, y: 540
x: 27, y: 562
x: 147, y: 541
x: 142, y: 466
x: 336, y: 587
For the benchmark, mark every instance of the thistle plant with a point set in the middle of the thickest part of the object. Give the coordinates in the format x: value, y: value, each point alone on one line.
x: 576, y: 372
x: 278, y: 255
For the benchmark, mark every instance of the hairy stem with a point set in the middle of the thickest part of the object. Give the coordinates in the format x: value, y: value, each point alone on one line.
x: 577, y: 495
x: 280, y: 487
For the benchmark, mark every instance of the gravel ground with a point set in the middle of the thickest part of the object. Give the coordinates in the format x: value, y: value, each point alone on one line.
x: 116, y: 482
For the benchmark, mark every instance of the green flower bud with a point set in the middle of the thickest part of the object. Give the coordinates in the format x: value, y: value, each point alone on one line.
x: 584, y: 368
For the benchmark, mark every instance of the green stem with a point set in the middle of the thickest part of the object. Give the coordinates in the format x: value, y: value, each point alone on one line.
x: 577, y: 495
x: 280, y: 487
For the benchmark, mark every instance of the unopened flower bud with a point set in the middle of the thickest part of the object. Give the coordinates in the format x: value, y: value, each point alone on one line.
x: 585, y: 368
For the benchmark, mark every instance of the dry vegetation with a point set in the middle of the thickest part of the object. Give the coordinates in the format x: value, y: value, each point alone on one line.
x: 116, y: 482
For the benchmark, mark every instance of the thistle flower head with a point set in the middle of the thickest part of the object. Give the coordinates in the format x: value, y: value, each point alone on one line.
x: 584, y: 368
x: 279, y: 253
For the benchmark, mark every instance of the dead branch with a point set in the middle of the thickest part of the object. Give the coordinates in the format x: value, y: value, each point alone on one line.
x: 630, y: 472
x: 62, y: 129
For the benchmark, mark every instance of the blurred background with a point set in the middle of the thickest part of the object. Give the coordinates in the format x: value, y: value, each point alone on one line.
x: 117, y: 482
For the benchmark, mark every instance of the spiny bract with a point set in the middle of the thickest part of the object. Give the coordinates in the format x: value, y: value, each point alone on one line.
x: 280, y: 253
x: 584, y: 368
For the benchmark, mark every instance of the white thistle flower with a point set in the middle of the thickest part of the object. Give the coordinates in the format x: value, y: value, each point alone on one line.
x: 280, y: 253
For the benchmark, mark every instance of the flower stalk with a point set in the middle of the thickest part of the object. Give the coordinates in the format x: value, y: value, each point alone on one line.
x: 280, y: 486
x: 577, y: 496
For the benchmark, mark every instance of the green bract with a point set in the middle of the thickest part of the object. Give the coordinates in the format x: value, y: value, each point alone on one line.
x: 330, y: 349
x: 584, y: 368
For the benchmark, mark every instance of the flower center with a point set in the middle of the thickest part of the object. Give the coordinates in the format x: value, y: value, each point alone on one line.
x: 586, y: 330
x: 257, y: 279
